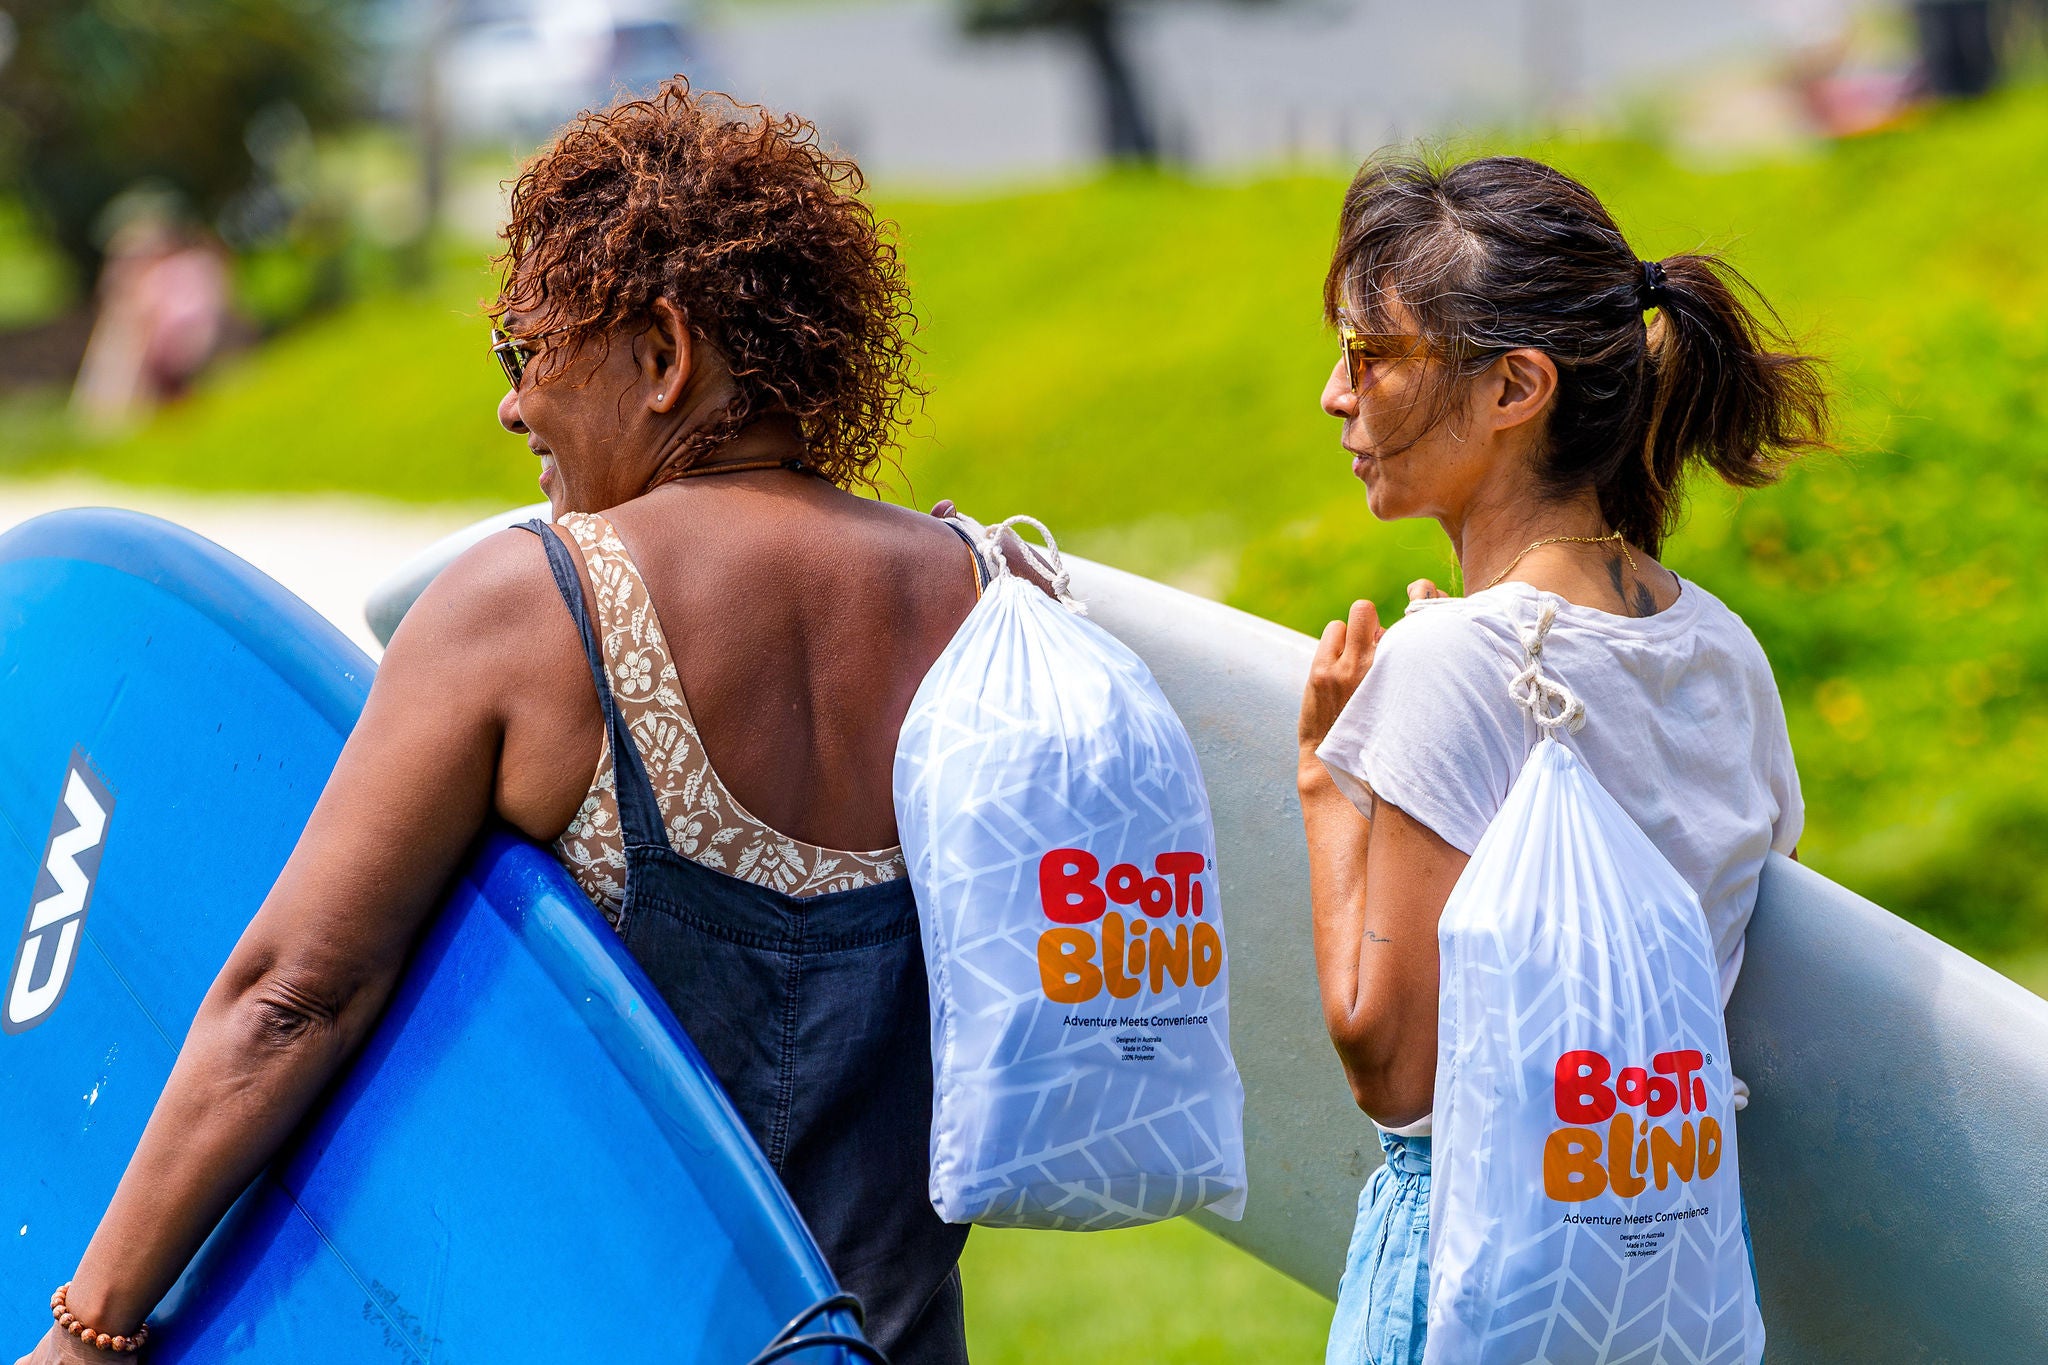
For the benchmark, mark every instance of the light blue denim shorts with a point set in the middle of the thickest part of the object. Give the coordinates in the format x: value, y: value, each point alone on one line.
x: 1383, y: 1300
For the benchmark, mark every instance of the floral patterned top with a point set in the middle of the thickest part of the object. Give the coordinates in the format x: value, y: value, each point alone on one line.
x: 705, y: 823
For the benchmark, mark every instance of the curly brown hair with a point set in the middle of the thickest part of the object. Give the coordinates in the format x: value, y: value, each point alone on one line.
x: 756, y: 232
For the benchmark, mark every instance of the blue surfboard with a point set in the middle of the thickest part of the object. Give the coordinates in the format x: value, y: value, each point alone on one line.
x: 528, y: 1133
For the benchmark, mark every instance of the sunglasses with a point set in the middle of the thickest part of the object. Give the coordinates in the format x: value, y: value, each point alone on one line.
x: 514, y: 353
x: 1363, y: 350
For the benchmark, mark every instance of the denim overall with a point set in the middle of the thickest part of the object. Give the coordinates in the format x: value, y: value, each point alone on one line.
x: 813, y: 1014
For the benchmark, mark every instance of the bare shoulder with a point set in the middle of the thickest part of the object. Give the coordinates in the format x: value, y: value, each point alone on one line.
x: 495, y: 605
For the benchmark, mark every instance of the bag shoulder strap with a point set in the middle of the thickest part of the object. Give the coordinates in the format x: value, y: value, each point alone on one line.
x: 1548, y: 702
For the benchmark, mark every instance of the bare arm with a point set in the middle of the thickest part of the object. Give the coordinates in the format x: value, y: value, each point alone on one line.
x: 1377, y: 888
x: 312, y: 972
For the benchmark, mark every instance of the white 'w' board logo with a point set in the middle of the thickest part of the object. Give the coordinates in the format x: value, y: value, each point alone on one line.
x: 56, y: 912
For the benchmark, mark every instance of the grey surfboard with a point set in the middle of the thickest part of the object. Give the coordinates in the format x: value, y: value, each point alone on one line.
x: 1895, y: 1151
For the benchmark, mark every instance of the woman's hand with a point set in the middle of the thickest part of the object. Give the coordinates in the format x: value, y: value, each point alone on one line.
x: 61, y: 1348
x: 1342, y: 660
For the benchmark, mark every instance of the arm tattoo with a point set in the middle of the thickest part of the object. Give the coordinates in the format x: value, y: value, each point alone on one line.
x: 1371, y: 937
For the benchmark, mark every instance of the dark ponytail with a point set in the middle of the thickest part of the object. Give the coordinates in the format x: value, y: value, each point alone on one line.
x: 1503, y: 253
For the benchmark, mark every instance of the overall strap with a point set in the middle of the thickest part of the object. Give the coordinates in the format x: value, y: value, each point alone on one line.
x: 639, y: 811
x: 981, y: 573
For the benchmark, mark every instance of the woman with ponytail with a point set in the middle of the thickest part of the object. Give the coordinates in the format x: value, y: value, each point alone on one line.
x: 1511, y: 369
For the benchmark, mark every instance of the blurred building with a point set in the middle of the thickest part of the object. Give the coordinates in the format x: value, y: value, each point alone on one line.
x: 900, y: 85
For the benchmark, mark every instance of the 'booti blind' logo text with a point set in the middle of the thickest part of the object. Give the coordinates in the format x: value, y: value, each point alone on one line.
x: 1092, y: 947
x: 1582, y: 1162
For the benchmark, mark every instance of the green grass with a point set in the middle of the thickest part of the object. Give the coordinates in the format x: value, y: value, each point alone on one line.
x: 1164, y: 1295
x: 35, y: 282
x: 1137, y: 361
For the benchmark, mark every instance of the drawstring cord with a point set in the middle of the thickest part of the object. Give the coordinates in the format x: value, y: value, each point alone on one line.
x: 787, y: 1342
x: 1047, y: 558
x: 1549, y: 703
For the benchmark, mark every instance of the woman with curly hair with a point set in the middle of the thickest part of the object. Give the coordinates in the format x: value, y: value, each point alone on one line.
x: 704, y: 333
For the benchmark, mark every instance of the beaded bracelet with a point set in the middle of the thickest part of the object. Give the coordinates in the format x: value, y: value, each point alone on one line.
x: 68, y: 1323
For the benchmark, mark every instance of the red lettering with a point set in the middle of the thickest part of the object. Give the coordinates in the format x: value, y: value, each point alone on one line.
x: 1632, y: 1086
x: 1663, y: 1096
x: 1681, y: 1065
x: 1124, y: 883
x: 1157, y: 896
x: 1066, y: 886
x: 1183, y: 868
x: 1582, y: 1093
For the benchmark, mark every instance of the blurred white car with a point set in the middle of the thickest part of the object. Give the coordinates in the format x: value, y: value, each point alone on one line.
x: 521, y: 68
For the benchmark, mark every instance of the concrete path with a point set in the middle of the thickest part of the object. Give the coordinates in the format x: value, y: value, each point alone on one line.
x: 330, y: 550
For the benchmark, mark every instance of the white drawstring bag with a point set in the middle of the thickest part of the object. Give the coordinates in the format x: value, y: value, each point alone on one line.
x: 1059, y: 842
x: 1584, y: 1201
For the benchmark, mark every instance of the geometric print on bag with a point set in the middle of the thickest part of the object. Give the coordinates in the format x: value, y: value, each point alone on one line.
x: 1586, y: 1201
x: 1060, y: 846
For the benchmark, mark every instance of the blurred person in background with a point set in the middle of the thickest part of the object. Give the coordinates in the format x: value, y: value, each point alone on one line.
x: 164, y: 297
x: 1512, y: 370
x: 689, y: 686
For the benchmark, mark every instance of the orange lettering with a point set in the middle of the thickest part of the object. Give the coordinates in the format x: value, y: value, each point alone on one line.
x: 1208, y: 953
x: 1571, y: 1166
x: 1710, y: 1147
x: 1623, y: 1177
x: 1169, y: 957
x: 1669, y: 1154
x: 1066, y: 966
x: 1122, y: 982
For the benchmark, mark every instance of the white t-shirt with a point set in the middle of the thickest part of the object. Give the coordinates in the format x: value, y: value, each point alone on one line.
x: 1683, y: 727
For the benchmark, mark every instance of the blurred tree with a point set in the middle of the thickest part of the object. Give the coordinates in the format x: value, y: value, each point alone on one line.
x: 1128, y: 130
x: 98, y: 96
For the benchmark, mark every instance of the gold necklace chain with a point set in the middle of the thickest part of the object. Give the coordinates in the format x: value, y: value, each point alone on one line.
x: 1614, y: 536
